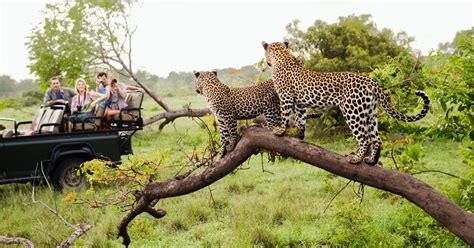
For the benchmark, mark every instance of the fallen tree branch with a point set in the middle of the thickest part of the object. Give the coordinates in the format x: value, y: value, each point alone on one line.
x: 75, y: 235
x: 79, y: 230
x: 16, y: 240
x: 441, y: 208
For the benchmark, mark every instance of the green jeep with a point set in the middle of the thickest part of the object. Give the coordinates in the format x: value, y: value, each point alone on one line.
x: 45, y: 151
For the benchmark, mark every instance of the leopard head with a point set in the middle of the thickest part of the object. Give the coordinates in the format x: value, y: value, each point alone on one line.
x: 203, y: 79
x: 275, y: 52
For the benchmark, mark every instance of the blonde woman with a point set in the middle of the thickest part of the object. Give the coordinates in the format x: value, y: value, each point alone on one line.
x: 81, y: 107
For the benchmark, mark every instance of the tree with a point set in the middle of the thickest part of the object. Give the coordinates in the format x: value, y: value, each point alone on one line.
x: 58, y: 46
x: 352, y: 44
x: 78, y: 38
x: 452, y: 72
x: 7, y: 86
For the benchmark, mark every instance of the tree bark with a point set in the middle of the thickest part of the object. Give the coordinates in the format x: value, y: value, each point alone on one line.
x: 16, y: 240
x: 441, y: 208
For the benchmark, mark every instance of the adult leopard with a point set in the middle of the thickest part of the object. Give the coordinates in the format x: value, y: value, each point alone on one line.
x: 356, y: 95
x: 232, y: 104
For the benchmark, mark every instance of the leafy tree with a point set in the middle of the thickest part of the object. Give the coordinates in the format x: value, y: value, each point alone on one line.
x: 352, y: 44
x: 453, y: 72
x: 58, y: 45
x: 66, y: 42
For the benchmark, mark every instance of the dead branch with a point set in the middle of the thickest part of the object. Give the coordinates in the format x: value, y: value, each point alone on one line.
x: 75, y: 235
x: 170, y: 116
x: 16, y: 240
x: 441, y: 208
x: 79, y: 230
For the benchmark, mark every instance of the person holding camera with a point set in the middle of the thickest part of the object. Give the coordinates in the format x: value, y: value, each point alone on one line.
x: 115, y: 94
x: 101, y: 83
x: 81, y: 104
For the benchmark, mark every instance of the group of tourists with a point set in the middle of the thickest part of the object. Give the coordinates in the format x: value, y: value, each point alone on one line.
x: 80, y: 103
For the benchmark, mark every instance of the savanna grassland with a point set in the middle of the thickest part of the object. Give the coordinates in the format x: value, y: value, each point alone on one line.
x: 286, y: 203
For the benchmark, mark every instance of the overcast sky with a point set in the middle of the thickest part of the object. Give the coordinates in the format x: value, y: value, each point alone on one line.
x: 203, y: 35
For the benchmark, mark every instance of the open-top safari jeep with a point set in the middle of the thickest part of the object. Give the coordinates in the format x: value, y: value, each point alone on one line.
x: 41, y: 149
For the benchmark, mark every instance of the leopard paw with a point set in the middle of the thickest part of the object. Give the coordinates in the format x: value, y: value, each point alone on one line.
x: 279, y: 131
x: 353, y: 158
x: 370, y: 161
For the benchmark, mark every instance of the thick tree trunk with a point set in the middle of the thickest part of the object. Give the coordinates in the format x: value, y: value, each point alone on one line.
x: 450, y: 215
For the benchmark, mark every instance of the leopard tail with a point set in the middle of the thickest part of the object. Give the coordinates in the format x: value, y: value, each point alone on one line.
x: 384, y: 101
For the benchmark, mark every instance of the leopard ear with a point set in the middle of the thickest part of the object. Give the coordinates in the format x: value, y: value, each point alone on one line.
x: 214, y: 71
x: 265, y: 45
x: 286, y: 43
x: 196, y: 73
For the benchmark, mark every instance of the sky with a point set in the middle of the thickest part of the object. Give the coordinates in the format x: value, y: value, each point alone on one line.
x: 187, y: 35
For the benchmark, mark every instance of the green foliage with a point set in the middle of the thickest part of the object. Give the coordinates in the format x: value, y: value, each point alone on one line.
x: 464, y: 190
x: 65, y: 42
x: 406, y: 155
x: 453, y: 75
x: 401, y: 76
x: 58, y: 46
x: 352, y: 44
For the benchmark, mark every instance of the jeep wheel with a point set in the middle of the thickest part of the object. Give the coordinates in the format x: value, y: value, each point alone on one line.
x: 66, y: 176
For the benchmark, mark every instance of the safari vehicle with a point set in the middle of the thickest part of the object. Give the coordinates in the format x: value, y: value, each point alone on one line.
x: 44, y: 150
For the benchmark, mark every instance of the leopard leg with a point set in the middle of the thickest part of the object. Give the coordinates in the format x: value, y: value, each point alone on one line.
x: 357, y: 122
x: 300, y: 120
x: 232, y: 141
x: 374, y: 136
x: 286, y: 105
x: 224, y: 135
x: 272, y: 117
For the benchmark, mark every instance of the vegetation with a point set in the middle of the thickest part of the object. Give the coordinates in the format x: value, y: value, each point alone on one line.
x: 353, y: 44
x: 262, y: 204
x: 258, y: 208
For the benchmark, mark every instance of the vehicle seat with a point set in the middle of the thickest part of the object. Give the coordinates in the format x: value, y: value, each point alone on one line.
x: 131, y: 113
x: 6, y: 133
x: 34, y: 124
x: 50, y: 116
x: 95, y: 124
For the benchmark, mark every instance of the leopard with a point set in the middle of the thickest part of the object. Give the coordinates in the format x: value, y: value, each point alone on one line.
x: 355, y: 94
x: 232, y: 104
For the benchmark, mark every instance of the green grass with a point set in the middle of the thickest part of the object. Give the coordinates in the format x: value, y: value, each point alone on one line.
x: 249, y: 207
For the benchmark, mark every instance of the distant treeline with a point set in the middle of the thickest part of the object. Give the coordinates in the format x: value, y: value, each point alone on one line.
x: 182, y: 83
x: 10, y: 87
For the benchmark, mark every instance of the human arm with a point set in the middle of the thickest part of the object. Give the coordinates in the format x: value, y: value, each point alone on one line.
x: 74, y: 104
x: 102, y: 97
x: 48, y: 99
x: 131, y: 87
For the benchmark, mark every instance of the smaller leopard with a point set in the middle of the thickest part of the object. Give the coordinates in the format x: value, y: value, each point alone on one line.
x: 232, y: 104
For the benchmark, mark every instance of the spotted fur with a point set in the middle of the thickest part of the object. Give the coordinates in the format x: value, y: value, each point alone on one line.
x: 232, y: 104
x: 356, y: 95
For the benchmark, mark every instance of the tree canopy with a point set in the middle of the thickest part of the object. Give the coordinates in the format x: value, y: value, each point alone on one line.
x: 354, y: 43
x: 66, y: 42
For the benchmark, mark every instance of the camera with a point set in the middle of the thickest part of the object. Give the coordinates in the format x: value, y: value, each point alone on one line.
x: 79, y: 108
x: 101, y: 82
